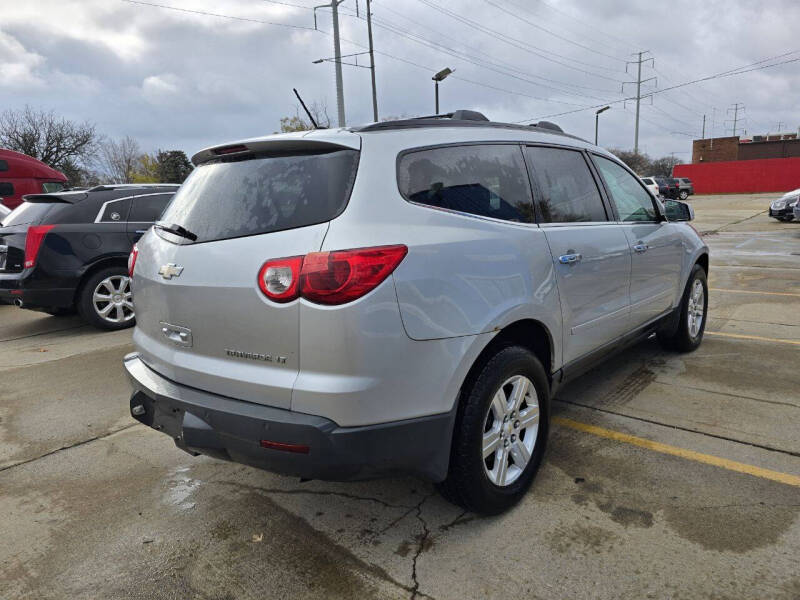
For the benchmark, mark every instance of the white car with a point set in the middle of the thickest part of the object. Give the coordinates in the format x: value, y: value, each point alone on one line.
x: 651, y: 185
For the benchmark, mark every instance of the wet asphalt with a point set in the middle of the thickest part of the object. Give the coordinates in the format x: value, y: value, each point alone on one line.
x: 94, y: 505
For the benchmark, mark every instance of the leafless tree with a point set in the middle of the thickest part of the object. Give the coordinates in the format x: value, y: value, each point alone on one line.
x: 52, y: 139
x: 300, y: 121
x: 119, y: 160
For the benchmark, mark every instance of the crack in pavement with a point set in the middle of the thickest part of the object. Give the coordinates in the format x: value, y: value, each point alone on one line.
x: 422, y: 545
x: 370, y: 567
x: 25, y: 337
x: 68, y: 447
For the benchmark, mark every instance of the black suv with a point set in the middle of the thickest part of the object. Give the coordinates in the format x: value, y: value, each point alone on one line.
x: 68, y: 251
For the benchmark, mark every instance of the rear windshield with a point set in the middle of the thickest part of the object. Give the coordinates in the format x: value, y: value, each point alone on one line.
x: 27, y: 212
x: 235, y: 198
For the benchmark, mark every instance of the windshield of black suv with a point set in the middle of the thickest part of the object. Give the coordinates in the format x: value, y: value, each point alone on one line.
x: 238, y: 197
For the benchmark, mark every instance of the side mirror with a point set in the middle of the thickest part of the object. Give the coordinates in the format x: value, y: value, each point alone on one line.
x: 676, y: 210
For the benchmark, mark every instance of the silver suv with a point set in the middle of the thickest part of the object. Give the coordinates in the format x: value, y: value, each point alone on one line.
x: 401, y: 297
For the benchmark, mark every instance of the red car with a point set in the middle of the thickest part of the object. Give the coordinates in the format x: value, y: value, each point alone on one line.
x: 21, y: 174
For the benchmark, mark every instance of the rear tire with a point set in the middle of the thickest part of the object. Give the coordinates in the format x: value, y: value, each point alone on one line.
x: 500, y: 433
x: 105, y: 299
x: 692, y: 319
x: 683, y: 195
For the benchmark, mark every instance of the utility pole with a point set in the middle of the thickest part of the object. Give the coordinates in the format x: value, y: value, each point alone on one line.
x: 639, y: 81
x: 736, y: 108
x: 704, y: 128
x: 372, y: 64
x: 337, y: 53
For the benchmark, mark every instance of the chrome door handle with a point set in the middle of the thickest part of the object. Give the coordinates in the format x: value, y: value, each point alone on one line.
x: 640, y: 247
x: 142, y: 231
x: 568, y: 259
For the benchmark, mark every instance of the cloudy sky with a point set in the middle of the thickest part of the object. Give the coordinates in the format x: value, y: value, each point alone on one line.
x: 174, y: 79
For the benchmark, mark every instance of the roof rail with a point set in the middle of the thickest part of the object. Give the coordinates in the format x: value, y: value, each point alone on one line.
x: 547, y: 125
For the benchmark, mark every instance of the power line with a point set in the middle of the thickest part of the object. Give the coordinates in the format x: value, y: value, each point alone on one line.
x: 211, y: 14
x: 729, y: 73
x: 519, y: 44
x: 560, y: 37
x: 626, y: 47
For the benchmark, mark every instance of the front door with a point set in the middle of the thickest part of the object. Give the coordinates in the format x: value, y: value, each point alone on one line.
x: 590, y: 253
x: 656, y: 246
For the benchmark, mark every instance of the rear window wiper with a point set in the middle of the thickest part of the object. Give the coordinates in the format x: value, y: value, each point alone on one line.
x: 176, y: 229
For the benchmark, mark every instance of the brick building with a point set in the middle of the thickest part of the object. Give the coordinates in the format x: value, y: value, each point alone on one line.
x: 736, y: 148
x: 731, y: 165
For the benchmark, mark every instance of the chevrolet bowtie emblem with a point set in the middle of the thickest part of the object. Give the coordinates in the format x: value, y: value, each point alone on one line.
x: 170, y: 270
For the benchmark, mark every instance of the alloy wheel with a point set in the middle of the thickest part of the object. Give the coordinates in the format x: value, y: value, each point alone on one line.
x: 696, y: 308
x: 112, y: 299
x: 510, y: 430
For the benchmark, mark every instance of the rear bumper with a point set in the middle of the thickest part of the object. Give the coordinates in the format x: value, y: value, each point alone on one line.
x: 203, y: 423
x: 15, y: 286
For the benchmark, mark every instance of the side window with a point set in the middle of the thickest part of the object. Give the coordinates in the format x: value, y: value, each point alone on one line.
x: 633, y: 202
x: 3, y: 165
x: 6, y: 189
x: 484, y: 180
x: 148, y: 209
x: 50, y: 187
x: 647, y: 181
x: 115, y: 211
x: 569, y: 192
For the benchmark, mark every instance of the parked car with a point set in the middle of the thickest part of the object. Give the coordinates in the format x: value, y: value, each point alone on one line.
x: 685, y: 187
x: 21, y: 174
x: 68, y: 251
x: 668, y: 187
x: 400, y: 297
x: 784, y: 207
x: 797, y: 211
x: 650, y: 184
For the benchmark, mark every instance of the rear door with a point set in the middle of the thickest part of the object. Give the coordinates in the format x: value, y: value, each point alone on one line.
x: 656, y: 245
x: 590, y: 252
x: 145, y: 210
x: 201, y: 319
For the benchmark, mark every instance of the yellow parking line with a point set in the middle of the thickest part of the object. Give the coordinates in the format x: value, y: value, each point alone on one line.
x: 708, y: 459
x: 713, y: 289
x: 740, y: 336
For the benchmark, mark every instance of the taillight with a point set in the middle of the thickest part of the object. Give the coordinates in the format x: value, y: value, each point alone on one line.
x: 33, y: 242
x: 279, y: 279
x: 132, y: 259
x: 329, y: 277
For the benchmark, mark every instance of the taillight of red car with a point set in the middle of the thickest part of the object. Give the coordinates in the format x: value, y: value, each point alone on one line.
x: 33, y: 243
x: 329, y: 278
x: 132, y: 259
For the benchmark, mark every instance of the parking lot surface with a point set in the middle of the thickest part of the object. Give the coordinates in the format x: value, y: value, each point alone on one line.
x: 667, y: 475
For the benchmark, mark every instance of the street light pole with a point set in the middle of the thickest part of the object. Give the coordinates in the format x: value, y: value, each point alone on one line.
x: 597, y: 121
x: 440, y: 76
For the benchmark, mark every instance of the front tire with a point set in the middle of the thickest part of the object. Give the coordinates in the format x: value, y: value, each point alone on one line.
x: 105, y: 299
x: 500, y: 433
x: 683, y: 195
x: 692, y: 319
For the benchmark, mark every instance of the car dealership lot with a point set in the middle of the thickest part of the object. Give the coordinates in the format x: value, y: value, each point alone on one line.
x: 666, y: 476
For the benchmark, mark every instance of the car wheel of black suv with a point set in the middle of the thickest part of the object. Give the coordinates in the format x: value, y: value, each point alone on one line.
x: 683, y: 195
x: 692, y: 319
x: 104, y: 299
x: 500, y: 433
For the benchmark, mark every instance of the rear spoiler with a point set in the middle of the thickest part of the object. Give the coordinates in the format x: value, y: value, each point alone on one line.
x: 69, y: 198
x: 314, y: 140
